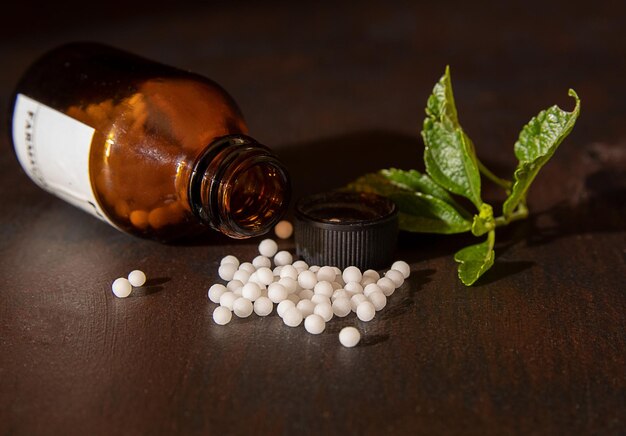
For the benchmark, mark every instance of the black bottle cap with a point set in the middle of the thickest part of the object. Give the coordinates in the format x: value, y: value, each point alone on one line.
x: 346, y: 228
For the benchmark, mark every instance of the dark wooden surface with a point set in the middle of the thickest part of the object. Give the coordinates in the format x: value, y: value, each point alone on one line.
x: 536, y: 347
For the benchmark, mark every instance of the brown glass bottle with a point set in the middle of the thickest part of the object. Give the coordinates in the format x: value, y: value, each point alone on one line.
x: 167, y: 151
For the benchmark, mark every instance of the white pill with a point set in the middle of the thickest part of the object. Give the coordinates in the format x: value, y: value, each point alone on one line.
x: 263, y: 306
x: 340, y: 293
x: 356, y: 300
x: 365, y: 311
x: 324, y: 310
x: 386, y: 285
x: 293, y: 297
x: 307, y: 279
x: 290, y: 284
x: 349, y: 337
x: 222, y: 315
x: 354, y: 287
x: 337, y: 270
x: 289, y: 271
x: 305, y: 294
x: 403, y: 267
x: 284, y: 229
x: 265, y: 275
x: 306, y: 307
x: 283, y: 306
x: 368, y: 281
x: 395, y: 276
x: 326, y: 274
x: 230, y: 259
x: 121, y: 287
x: 227, y: 271
x: 268, y: 247
x: 372, y: 287
x: 277, y: 292
x: 227, y: 299
x: 261, y: 261
x: 247, y: 267
x: 137, y: 278
x: 341, y: 307
x: 314, y: 268
x: 337, y: 285
x: 352, y: 274
x: 243, y: 307
x: 378, y: 299
x: 242, y: 275
x: 371, y: 273
x: 234, y: 285
x: 283, y: 258
x: 320, y: 299
x: 276, y: 271
x: 215, y: 292
x: 323, y: 288
x: 292, y: 317
x: 251, y: 291
x: 300, y: 264
x: 314, y: 324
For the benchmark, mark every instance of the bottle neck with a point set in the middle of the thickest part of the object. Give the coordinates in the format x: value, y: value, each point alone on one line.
x: 238, y: 187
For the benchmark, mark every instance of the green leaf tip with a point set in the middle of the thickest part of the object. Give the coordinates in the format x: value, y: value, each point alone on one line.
x: 474, y: 260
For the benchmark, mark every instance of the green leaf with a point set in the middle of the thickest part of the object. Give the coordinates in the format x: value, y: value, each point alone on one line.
x: 484, y: 221
x: 419, y: 212
x: 449, y: 153
x: 537, y: 142
x: 475, y: 260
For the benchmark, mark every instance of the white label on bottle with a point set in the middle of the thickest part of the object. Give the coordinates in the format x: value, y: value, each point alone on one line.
x: 53, y: 149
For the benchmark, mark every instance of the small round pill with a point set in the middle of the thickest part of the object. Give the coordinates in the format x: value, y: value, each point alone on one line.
x: 300, y: 264
x: 277, y: 292
x: 230, y: 259
x: 137, y: 278
x: 227, y: 299
x: 349, y: 337
x: 243, y: 307
x: 251, y: 291
x: 395, y: 276
x: 326, y: 274
x: 356, y: 300
x: 289, y: 271
x: 305, y: 294
x: 354, y: 287
x: 365, y: 311
x: 283, y: 306
x: 290, y: 284
x: 263, y: 306
x: 227, y: 271
x: 403, y: 267
x: 121, y: 287
x: 337, y: 285
x: 221, y: 315
x: 234, y: 285
x: 341, y: 307
x: 265, y: 275
x: 241, y: 275
x: 307, y: 279
x: 320, y: 299
x: 247, y: 267
x: 371, y: 273
x: 284, y: 229
x: 314, y: 324
x: 325, y: 310
x: 261, y: 261
x: 323, y: 288
x: 387, y: 286
x: 306, y: 307
x: 292, y: 317
x: 276, y: 271
x: 340, y: 293
x: 371, y: 288
x: 352, y: 274
x: 293, y: 297
x: 314, y: 268
x: 368, y: 281
x: 378, y: 299
x: 283, y: 258
x: 268, y: 247
x: 215, y: 292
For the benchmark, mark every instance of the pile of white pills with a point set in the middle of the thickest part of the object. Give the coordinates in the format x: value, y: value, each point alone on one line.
x: 122, y: 287
x: 302, y: 294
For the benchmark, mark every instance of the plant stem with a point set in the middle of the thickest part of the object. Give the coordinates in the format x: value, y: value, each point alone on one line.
x: 503, y: 183
x: 519, y: 214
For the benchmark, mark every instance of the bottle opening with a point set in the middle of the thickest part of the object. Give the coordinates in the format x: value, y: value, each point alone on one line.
x: 257, y: 198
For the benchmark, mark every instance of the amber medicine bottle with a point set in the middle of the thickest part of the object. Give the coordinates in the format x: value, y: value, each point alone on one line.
x: 152, y: 150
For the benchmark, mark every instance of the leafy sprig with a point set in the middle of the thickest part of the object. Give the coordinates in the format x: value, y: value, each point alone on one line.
x: 426, y: 201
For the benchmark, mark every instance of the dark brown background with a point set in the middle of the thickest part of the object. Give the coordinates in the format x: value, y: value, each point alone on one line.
x: 536, y: 347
